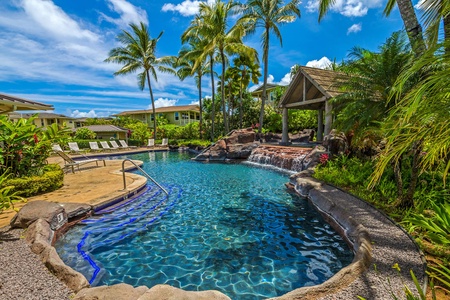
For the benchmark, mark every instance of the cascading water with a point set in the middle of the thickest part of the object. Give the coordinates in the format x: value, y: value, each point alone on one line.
x: 288, y: 158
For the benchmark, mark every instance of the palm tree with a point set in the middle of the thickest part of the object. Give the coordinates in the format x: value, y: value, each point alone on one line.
x: 419, y: 126
x: 248, y: 69
x: 193, y: 33
x: 139, y: 53
x: 409, y: 17
x: 268, y: 14
x: 185, y: 63
x: 436, y: 11
x: 222, y: 39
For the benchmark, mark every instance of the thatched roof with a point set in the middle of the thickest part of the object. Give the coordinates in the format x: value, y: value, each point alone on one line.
x: 10, y: 103
x: 310, y: 88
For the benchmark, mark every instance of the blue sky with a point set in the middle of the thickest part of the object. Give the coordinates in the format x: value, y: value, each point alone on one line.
x: 53, y: 51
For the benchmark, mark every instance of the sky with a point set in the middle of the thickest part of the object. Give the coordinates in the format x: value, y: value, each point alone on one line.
x: 54, y: 51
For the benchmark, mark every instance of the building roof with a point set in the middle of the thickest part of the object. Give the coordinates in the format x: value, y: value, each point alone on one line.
x: 195, y: 108
x: 17, y: 115
x: 259, y: 89
x: 105, y: 128
x: 10, y: 103
x: 310, y: 88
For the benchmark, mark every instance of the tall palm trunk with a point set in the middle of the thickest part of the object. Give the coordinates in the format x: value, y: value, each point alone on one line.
x: 153, y: 104
x: 222, y: 85
x: 240, y: 102
x: 213, y: 111
x: 200, y: 104
x: 412, y: 26
x: 264, y: 93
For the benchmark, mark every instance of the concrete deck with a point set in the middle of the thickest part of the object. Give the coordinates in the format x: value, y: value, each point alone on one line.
x: 92, y: 185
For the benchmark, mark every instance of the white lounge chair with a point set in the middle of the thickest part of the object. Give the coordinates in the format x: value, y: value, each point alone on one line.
x: 165, y: 142
x: 151, y: 143
x: 70, y: 163
x: 114, y: 145
x: 105, y: 145
x: 94, y: 146
x: 125, y: 145
x: 73, y: 146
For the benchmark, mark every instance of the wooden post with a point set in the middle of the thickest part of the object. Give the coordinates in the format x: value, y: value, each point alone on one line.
x: 328, y: 116
x: 320, y: 125
x: 285, y: 136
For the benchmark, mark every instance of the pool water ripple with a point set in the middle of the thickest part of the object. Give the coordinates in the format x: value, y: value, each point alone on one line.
x: 231, y: 228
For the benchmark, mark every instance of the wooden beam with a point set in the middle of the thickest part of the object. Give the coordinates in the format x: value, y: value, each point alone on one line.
x: 304, y: 88
x: 302, y: 103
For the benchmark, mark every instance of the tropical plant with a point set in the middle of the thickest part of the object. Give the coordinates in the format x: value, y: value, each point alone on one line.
x: 140, y: 132
x: 437, y: 226
x: 366, y: 86
x: 139, y: 53
x: 247, y: 68
x: 84, y: 133
x: 419, y: 125
x: 7, y: 197
x: 220, y: 37
x: 268, y: 14
x: 24, y: 152
x: 186, y: 67
x: 56, y: 133
x: 195, y: 33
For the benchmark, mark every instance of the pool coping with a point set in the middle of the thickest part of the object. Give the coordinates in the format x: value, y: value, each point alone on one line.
x: 356, y: 234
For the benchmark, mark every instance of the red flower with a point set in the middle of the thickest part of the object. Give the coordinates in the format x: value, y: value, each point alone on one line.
x: 324, y: 158
x: 36, y: 140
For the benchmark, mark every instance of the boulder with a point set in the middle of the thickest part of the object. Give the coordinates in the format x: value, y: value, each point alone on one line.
x: 51, y: 212
x: 121, y: 291
x: 75, y: 210
x: 73, y: 279
x: 336, y: 143
x: 167, y: 292
x: 236, y: 146
x: 39, y: 236
x: 313, y: 158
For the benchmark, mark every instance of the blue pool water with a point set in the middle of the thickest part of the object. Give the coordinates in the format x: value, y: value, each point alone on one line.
x: 228, y: 227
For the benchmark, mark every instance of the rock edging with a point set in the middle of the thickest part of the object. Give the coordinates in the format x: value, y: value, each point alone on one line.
x: 341, y: 220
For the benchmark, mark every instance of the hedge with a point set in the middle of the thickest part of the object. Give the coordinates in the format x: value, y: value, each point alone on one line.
x: 52, y: 179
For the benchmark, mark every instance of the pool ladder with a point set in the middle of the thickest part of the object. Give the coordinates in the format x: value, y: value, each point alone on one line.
x: 143, y: 172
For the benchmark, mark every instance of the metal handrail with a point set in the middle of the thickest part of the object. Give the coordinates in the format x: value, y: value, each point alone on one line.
x: 143, y: 172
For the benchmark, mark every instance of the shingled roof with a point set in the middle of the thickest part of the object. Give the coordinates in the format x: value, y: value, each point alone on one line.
x: 10, y: 103
x: 310, y: 88
x: 161, y: 110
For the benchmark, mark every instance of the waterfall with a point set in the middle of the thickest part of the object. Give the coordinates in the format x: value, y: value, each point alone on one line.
x: 288, y: 158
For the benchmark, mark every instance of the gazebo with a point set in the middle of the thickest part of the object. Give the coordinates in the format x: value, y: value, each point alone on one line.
x: 10, y: 103
x: 311, y: 89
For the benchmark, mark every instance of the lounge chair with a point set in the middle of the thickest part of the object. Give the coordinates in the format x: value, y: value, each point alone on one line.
x: 70, y: 163
x: 73, y: 146
x: 125, y: 145
x: 114, y: 145
x: 57, y: 147
x: 151, y: 143
x: 105, y: 146
x: 165, y: 142
x: 94, y: 146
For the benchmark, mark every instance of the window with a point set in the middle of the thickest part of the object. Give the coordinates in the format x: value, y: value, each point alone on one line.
x: 177, y: 117
x: 191, y: 116
x: 185, y: 116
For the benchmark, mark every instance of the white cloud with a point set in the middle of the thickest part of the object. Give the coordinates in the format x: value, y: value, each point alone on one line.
x: 195, y: 103
x: 419, y: 4
x: 286, y: 80
x: 348, y: 8
x: 323, y: 63
x: 163, y: 102
x: 54, y: 21
x: 270, y: 78
x: 354, y: 28
x: 186, y: 8
x: 79, y: 114
x: 127, y: 11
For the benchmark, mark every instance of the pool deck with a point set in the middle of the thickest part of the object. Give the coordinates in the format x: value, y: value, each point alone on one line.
x: 92, y: 185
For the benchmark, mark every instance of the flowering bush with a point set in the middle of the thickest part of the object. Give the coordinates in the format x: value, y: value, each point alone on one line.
x: 323, y: 158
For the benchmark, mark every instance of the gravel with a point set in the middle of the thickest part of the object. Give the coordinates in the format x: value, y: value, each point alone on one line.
x: 22, y: 274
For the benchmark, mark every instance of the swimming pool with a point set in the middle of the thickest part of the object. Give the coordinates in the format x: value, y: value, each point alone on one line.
x: 228, y: 227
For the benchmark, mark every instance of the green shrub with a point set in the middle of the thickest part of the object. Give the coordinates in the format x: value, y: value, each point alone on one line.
x: 190, y: 143
x: 84, y: 133
x: 7, y: 196
x: 52, y: 179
